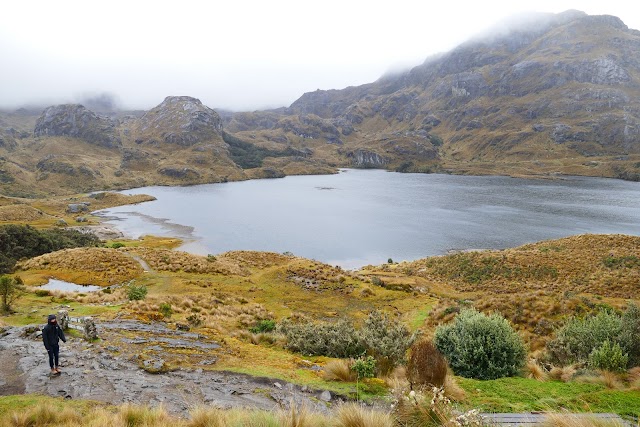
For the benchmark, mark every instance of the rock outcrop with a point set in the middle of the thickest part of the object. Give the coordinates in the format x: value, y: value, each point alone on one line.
x: 366, y: 159
x: 76, y: 121
x: 180, y: 120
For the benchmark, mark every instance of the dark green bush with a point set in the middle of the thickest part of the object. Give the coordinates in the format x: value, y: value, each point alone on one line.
x: 42, y: 293
x: 480, y: 346
x: 166, y: 310
x: 608, y: 357
x: 24, y: 241
x: 136, y: 292
x: 365, y: 367
x: 266, y: 325
x: 117, y: 245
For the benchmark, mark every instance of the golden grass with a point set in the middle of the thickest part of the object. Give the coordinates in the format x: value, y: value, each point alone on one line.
x: 570, y: 264
x: 452, y: 390
x: 176, y: 261
x: 564, y: 374
x: 339, y: 370
x: 535, y: 371
x: 48, y: 415
x: 98, y: 266
x: 22, y: 213
x: 354, y: 415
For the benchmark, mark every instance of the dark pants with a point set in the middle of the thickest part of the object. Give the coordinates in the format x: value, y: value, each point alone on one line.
x: 53, y: 356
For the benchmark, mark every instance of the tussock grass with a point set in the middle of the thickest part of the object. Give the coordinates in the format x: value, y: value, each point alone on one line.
x: 48, y: 415
x: 452, y: 390
x: 564, y: 374
x: 535, y: 371
x: 177, y: 261
x: 354, y: 415
x: 339, y: 370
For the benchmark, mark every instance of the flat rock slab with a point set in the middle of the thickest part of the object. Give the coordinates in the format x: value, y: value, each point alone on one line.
x: 93, y: 372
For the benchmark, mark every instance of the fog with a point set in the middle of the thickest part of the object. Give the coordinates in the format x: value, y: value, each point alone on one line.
x: 235, y: 55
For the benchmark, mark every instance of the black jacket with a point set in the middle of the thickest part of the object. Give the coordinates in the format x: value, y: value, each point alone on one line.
x: 50, y: 335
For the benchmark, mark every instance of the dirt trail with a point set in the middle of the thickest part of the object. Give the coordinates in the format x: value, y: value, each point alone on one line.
x: 98, y: 372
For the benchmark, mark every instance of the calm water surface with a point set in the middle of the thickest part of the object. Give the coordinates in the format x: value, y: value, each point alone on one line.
x: 361, y: 217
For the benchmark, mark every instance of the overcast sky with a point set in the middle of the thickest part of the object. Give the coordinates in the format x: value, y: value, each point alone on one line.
x: 238, y: 55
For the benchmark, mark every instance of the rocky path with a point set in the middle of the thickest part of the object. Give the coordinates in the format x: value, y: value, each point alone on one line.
x: 91, y: 371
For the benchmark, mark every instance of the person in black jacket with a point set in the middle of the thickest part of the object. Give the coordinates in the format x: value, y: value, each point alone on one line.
x: 50, y: 335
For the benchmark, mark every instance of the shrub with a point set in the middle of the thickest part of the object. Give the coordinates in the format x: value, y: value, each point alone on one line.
x: 608, y: 357
x: 377, y: 281
x: 117, y: 245
x: 194, y: 320
x: 338, y: 339
x: 136, y: 292
x: 166, y: 310
x: 365, y: 367
x: 480, y: 346
x: 24, y: 241
x: 266, y: 325
x: 385, y: 339
x: 630, y: 334
x: 42, y: 293
x: 426, y: 365
x: 575, y: 341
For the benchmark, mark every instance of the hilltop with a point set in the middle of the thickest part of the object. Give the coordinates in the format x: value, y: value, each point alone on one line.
x: 558, y: 95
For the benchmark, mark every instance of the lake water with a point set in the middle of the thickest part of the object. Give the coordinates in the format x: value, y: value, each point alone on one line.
x: 360, y: 217
x: 61, y: 285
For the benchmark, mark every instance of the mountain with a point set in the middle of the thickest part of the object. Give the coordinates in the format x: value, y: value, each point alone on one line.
x: 558, y: 94
x: 553, y: 94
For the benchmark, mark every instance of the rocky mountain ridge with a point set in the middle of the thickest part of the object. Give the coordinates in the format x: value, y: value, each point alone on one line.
x: 559, y: 94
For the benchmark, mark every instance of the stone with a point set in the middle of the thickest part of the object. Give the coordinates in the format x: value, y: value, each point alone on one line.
x: 325, y: 396
x: 77, y: 207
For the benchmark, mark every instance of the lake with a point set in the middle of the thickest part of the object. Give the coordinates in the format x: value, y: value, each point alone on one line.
x: 360, y: 217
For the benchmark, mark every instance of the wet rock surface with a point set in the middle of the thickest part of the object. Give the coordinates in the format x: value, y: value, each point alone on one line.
x: 106, y: 372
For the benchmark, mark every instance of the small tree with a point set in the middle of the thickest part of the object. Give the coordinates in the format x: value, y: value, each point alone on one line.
x: 480, y: 346
x: 10, y: 290
x: 136, y: 292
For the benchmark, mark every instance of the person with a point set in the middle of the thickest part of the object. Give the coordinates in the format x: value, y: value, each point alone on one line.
x: 51, y: 334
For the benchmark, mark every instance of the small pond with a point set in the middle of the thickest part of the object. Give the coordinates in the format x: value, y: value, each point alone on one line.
x: 61, y: 285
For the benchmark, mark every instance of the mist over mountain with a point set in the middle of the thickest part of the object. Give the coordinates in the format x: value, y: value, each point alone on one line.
x: 541, y: 95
